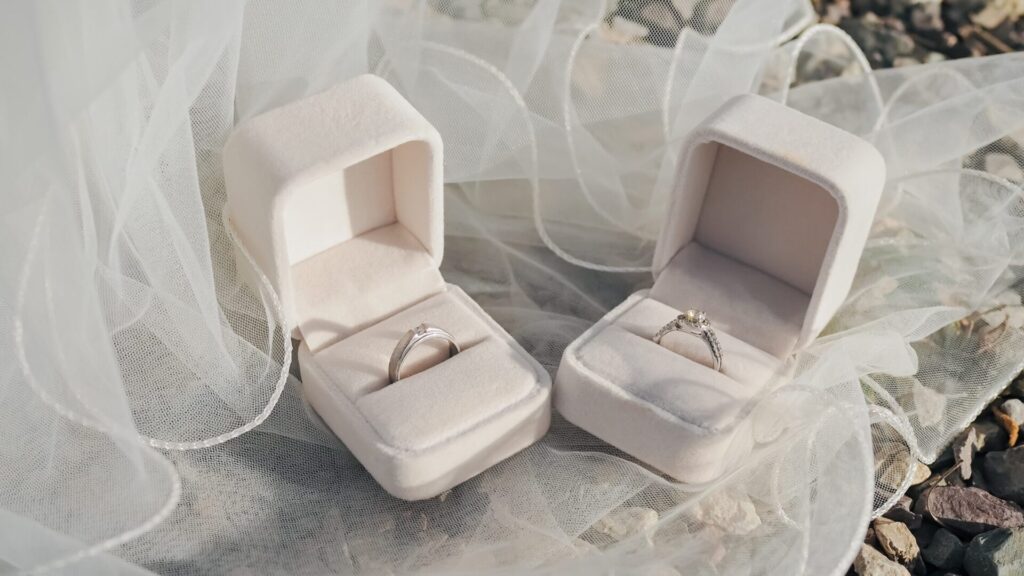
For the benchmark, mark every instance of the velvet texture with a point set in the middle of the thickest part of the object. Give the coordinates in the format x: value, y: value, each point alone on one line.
x: 338, y: 198
x: 305, y: 177
x: 769, y: 218
x: 447, y: 419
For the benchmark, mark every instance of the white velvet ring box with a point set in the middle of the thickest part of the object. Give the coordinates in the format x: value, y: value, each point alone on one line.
x: 764, y: 232
x: 338, y: 198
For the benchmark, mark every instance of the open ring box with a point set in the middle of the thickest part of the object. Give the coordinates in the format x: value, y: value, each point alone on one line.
x: 338, y: 199
x: 764, y: 232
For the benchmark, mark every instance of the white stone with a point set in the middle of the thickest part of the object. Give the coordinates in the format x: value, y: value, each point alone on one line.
x: 734, y: 515
x: 1014, y: 408
x: 622, y: 523
x: 930, y: 404
x: 921, y: 473
x: 1002, y: 165
x: 623, y: 31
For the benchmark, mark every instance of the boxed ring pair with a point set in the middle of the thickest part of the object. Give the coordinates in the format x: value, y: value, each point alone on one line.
x: 338, y: 198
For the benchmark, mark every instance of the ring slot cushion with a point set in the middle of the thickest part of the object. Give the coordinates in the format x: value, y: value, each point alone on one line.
x: 764, y: 232
x: 338, y: 199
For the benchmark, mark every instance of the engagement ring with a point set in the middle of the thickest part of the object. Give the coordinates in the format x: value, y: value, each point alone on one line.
x: 695, y: 322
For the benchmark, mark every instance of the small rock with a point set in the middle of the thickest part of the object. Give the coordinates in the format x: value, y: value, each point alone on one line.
x: 869, y: 536
x: 1006, y: 166
x: 731, y: 514
x: 1014, y: 408
x: 994, y: 14
x: 902, y: 512
x: 990, y: 435
x: 970, y: 510
x: 921, y: 473
x: 622, y: 523
x: 891, y: 467
x: 996, y: 553
x: 664, y: 21
x: 925, y: 534
x: 896, y: 541
x: 926, y: 17
x: 966, y: 448
x: 871, y: 562
x: 978, y: 475
x: 1004, y: 474
x: 622, y: 31
x: 946, y: 551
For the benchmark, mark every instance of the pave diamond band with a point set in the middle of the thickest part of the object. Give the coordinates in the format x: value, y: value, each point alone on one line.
x: 695, y: 322
x: 413, y: 338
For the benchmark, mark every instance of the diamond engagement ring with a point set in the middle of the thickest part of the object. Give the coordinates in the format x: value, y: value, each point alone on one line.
x: 695, y: 322
x: 413, y: 338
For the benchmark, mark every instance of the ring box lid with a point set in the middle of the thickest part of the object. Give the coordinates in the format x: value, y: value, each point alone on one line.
x: 338, y: 198
x: 768, y: 222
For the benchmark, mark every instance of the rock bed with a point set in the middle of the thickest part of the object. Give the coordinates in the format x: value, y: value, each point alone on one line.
x: 902, y: 32
x: 963, y: 514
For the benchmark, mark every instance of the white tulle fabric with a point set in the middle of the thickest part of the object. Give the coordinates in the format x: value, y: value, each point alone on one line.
x: 148, y: 418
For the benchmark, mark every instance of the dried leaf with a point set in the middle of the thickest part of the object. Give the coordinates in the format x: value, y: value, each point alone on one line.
x: 1011, y: 427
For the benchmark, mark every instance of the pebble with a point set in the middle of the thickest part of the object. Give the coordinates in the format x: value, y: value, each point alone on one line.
x: 978, y: 475
x: 1004, y: 474
x: 945, y: 552
x: 926, y: 533
x: 965, y: 450
x: 871, y: 562
x: 664, y: 21
x: 896, y: 540
x: 991, y: 436
x: 970, y: 511
x: 988, y: 436
x: 926, y: 17
x: 996, y: 553
x: 1014, y: 408
x: 622, y: 523
x: 1005, y: 166
x: 901, y: 512
x: 733, y: 515
x: 921, y: 473
x: 622, y: 31
x: 994, y: 14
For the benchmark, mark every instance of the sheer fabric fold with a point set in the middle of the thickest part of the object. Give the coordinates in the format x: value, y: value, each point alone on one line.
x: 151, y: 420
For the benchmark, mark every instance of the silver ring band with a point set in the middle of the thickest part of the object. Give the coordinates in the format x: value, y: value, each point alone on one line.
x: 413, y: 338
x: 695, y: 322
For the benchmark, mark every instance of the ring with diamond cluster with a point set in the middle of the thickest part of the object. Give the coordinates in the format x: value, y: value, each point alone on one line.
x: 695, y: 322
x: 413, y: 338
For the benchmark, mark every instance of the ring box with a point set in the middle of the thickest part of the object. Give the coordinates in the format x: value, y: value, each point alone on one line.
x: 338, y: 198
x: 764, y: 232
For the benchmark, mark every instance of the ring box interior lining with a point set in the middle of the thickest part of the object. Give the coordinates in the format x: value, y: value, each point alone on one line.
x: 338, y: 197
